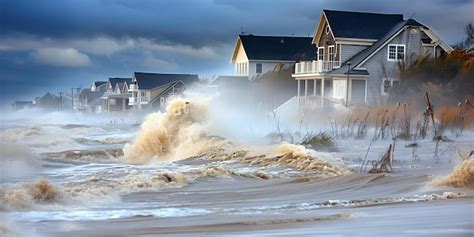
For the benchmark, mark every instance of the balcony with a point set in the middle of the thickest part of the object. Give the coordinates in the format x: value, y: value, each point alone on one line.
x: 131, y: 101
x: 316, y: 67
x: 132, y: 88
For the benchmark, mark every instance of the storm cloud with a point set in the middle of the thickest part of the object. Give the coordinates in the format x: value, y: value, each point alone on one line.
x: 57, y: 44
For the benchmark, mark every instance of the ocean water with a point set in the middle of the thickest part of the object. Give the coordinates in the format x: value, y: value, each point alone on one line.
x: 97, y: 178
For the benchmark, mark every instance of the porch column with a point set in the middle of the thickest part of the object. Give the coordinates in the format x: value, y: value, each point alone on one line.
x: 322, y: 92
x: 123, y: 104
x: 298, y: 94
x: 314, y: 89
x: 305, y: 88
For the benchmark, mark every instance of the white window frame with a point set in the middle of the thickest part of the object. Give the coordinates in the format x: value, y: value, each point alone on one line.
x: 391, y: 85
x: 321, y: 55
x: 396, y: 52
x: 333, y: 54
x: 327, y: 29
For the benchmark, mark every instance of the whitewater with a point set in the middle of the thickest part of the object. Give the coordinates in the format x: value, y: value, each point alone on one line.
x: 174, y: 173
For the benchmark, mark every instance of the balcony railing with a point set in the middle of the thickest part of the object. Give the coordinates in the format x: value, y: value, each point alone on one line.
x: 317, y: 66
x: 132, y: 87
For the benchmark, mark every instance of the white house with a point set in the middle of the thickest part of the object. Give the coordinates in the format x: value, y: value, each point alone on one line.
x: 116, y: 97
x: 254, y: 54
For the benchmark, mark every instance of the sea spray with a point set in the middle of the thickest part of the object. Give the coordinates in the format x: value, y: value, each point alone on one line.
x: 177, y: 133
x: 462, y: 176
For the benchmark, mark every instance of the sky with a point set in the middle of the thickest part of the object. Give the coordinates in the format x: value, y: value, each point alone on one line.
x: 53, y: 45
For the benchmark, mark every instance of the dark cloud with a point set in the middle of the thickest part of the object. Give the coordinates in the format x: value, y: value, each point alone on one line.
x: 116, y: 37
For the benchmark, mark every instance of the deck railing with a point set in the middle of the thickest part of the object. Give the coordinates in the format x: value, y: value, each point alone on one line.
x: 316, y: 66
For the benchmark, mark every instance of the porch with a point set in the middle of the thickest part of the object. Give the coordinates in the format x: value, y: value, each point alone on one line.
x: 315, y: 92
x: 116, y: 102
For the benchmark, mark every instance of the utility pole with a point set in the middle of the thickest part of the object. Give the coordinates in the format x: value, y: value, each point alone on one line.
x: 72, y: 95
x: 61, y: 100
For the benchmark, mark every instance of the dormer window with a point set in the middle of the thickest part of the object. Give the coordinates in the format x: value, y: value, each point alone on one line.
x: 327, y: 30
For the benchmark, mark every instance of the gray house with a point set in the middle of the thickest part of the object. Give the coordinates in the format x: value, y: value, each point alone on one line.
x: 358, y: 57
x: 89, y: 99
x: 117, y: 95
x: 152, y: 90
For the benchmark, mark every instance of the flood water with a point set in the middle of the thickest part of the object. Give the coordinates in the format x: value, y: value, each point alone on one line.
x: 72, y: 179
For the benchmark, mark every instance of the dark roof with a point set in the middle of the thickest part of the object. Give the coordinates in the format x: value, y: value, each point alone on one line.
x: 148, y: 81
x: 49, y: 94
x: 284, y: 48
x: 361, y: 25
x: 114, y: 80
x: 22, y: 102
x: 91, y: 95
x: 361, y: 56
x: 99, y: 83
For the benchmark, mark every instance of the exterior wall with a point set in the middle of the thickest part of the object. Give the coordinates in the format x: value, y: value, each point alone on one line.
x: 325, y: 41
x: 379, y: 67
x: 266, y: 66
x: 241, y: 58
x: 139, y: 99
x: 347, y: 51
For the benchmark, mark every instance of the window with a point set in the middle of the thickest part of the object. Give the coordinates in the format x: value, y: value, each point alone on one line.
x: 396, y: 52
x: 331, y: 53
x: 258, y: 68
x: 162, y: 101
x: 321, y: 53
x: 327, y: 30
x: 142, y: 94
x: 388, y: 85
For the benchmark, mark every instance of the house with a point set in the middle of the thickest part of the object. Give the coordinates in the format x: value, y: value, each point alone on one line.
x: 21, y: 104
x: 49, y: 101
x: 89, y: 99
x: 98, y: 86
x: 358, y: 56
x: 254, y: 55
x: 116, y: 96
x: 151, y: 90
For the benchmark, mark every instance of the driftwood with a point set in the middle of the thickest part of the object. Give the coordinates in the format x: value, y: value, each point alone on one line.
x: 384, y: 165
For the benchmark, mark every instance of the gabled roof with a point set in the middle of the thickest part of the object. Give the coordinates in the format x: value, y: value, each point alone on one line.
x: 99, y: 83
x: 276, y: 48
x: 49, y: 94
x: 358, y: 59
x: 114, y: 80
x: 120, y: 86
x: 90, y: 95
x: 361, y: 25
x: 147, y: 81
